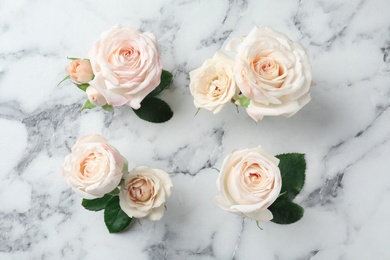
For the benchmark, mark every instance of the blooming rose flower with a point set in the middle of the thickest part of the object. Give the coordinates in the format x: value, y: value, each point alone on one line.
x: 80, y: 71
x: 249, y: 182
x: 94, y: 167
x: 127, y: 65
x: 95, y: 97
x: 144, y: 192
x: 213, y: 84
x: 272, y: 71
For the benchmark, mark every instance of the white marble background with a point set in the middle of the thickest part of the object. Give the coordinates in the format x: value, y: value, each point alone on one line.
x: 344, y: 131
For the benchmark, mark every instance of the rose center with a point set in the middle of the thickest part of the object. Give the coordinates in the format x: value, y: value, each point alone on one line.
x: 91, y: 164
x: 215, y: 88
x: 127, y: 54
x: 76, y: 65
x: 140, y: 190
x: 267, y: 68
x: 254, y: 177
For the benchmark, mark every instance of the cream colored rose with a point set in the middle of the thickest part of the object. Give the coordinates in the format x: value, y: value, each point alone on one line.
x: 213, y: 84
x: 95, y: 97
x: 249, y: 182
x: 273, y: 71
x: 127, y: 65
x: 80, y: 71
x: 94, y: 167
x: 144, y: 192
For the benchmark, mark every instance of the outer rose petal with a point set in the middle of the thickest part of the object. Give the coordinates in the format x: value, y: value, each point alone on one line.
x: 256, y: 110
x: 157, y: 213
x: 262, y: 215
x: 112, y: 98
x: 95, y: 97
x: 91, y: 138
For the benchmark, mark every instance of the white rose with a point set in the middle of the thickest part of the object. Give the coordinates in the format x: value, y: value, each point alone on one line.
x: 94, y: 167
x: 273, y: 71
x: 95, y: 97
x: 249, y: 182
x: 144, y: 192
x: 126, y: 64
x: 213, y: 84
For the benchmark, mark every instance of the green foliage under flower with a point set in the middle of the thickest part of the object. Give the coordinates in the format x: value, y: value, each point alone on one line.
x: 244, y: 101
x: 292, y: 168
x: 152, y: 108
x: 115, y: 218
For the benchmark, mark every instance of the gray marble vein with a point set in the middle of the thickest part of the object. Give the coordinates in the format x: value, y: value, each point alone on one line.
x: 344, y: 131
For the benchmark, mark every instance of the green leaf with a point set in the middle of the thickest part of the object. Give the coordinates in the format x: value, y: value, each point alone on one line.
x: 258, y: 224
x: 166, y: 79
x: 116, y: 220
x: 67, y: 77
x: 96, y: 204
x: 197, y: 111
x: 244, y: 101
x: 154, y: 110
x: 114, y: 192
x: 285, y: 211
x: 70, y: 58
x: 108, y: 108
x: 88, y: 105
x: 83, y: 87
x: 292, y: 167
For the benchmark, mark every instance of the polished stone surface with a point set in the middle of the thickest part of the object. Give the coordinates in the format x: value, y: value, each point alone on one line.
x: 344, y: 131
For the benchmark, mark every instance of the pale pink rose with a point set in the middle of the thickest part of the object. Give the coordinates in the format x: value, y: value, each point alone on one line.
x: 249, y: 182
x: 144, y: 192
x: 126, y: 64
x: 94, y: 168
x: 273, y: 71
x: 80, y: 71
x: 213, y: 84
x: 95, y: 97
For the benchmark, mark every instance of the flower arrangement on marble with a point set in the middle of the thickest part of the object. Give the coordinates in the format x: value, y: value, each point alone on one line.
x: 270, y: 76
x: 123, y: 68
x: 98, y: 173
x: 255, y: 184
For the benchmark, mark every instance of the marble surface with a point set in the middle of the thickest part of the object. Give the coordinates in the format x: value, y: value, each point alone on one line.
x: 344, y: 131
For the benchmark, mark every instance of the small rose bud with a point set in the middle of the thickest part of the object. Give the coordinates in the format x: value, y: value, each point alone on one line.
x: 95, y: 97
x: 80, y: 71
